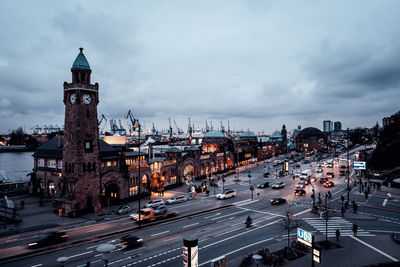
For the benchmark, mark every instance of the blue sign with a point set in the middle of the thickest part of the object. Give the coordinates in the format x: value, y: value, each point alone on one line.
x: 305, y: 237
x: 359, y: 165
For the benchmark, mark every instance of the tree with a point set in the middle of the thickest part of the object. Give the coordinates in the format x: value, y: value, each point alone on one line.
x: 289, y: 222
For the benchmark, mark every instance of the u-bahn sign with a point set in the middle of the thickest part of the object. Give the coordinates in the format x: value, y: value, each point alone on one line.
x: 359, y: 165
x: 305, y: 237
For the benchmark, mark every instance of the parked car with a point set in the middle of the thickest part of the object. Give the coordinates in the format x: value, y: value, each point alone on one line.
x: 154, y: 203
x: 124, y: 209
x: 330, y: 175
x: 278, y: 185
x: 130, y: 241
x: 277, y: 201
x: 48, y: 239
x: 176, y: 199
x: 263, y: 185
x: 328, y: 184
x: 299, y: 192
x: 226, y: 193
x: 160, y: 209
x: 323, y: 180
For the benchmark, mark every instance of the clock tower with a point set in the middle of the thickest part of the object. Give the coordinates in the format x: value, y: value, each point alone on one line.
x: 80, y: 168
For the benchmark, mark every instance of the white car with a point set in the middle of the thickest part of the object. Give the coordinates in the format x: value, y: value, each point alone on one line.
x: 226, y: 193
x: 124, y: 209
x: 176, y: 199
x: 154, y: 203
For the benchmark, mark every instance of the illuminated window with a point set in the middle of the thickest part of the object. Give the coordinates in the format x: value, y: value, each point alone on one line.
x: 60, y: 164
x: 109, y: 163
x: 173, y: 180
x: 102, y: 164
x: 133, y: 190
x: 115, y: 163
x: 40, y: 162
x: 51, y: 163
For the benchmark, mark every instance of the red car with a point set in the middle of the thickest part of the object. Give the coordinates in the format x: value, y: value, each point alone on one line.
x: 328, y: 184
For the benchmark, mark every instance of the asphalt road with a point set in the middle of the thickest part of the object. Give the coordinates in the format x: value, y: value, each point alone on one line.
x: 220, y: 232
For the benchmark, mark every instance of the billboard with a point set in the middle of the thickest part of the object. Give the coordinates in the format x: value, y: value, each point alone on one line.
x: 359, y: 165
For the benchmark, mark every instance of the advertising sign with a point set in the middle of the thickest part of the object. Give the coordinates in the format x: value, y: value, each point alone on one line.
x: 304, y: 237
x: 190, y: 252
x: 359, y: 165
x: 317, y: 254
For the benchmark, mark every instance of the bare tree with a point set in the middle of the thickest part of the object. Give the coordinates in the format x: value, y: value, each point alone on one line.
x: 289, y: 222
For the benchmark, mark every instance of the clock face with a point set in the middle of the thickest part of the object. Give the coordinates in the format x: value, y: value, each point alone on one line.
x: 86, y: 99
x: 72, y: 98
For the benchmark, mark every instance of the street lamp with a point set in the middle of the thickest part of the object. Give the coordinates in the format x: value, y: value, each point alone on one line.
x: 62, y: 260
x: 348, y: 171
x: 105, y: 250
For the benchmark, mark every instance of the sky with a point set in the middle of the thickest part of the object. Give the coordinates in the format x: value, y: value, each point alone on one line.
x: 257, y: 64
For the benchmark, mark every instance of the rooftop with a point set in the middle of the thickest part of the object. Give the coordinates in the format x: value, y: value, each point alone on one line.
x: 81, y: 61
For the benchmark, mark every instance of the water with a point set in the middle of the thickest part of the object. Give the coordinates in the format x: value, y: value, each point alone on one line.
x: 16, y: 164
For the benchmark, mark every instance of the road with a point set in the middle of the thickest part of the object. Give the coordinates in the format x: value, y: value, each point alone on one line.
x: 220, y: 232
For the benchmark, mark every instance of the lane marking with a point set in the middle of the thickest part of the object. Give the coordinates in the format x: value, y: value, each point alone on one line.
x: 212, y: 215
x: 160, y: 233
x: 134, y: 250
x: 374, y: 248
x: 94, y: 230
x: 37, y: 265
x: 263, y: 212
x: 384, y: 202
x: 77, y: 255
x: 186, y: 226
x: 171, y: 239
x: 234, y: 251
x: 226, y: 215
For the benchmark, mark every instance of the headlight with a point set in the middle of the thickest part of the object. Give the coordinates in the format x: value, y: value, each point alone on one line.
x: 140, y: 240
x: 32, y: 244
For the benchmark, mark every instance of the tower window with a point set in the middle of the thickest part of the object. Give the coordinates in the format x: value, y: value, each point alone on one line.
x: 88, y: 146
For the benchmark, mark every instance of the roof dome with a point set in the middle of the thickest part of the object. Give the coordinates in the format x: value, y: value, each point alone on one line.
x: 81, y: 62
x: 310, y: 131
x: 247, y: 134
x: 213, y: 134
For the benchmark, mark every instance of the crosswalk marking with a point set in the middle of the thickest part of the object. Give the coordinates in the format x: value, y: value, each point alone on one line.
x: 345, y: 227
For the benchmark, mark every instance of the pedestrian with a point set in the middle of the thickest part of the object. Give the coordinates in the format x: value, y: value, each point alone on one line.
x: 337, y: 234
x: 366, y: 194
x: 342, y: 199
x: 355, y: 206
x: 355, y: 228
x: 369, y: 189
x: 346, y: 205
x: 342, y: 211
x: 389, y: 195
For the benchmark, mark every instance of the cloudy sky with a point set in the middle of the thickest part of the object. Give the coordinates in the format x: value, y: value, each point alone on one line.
x: 257, y: 63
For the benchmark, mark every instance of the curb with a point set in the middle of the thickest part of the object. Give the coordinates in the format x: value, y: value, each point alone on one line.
x: 62, y: 246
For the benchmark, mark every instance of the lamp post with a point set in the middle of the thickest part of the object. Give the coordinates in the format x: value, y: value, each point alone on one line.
x: 348, y: 171
x: 105, y: 250
x: 249, y: 176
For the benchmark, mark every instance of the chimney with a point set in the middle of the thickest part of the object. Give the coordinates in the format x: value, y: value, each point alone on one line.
x: 59, y: 140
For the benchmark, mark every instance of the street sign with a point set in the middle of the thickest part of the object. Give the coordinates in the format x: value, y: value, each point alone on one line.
x: 359, y: 165
x: 317, y: 254
x: 305, y: 237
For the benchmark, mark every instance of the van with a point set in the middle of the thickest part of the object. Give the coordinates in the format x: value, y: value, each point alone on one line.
x: 306, y: 174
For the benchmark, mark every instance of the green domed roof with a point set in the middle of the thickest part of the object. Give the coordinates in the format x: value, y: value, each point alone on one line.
x: 213, y: 134
x: 247, y: 134
x: 81, y: 62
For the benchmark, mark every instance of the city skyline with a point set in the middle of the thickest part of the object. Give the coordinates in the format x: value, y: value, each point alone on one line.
x: 257, y: 64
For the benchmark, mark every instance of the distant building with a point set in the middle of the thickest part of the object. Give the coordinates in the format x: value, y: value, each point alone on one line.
x: 310, y: 139
x: 385, y: 121
x: 328, y: 126
x: 337, y: 126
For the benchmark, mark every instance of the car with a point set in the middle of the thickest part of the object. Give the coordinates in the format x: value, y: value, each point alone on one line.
x: 319, y: 169
x: 130, y: 241
x: 226, y: 193
x: 342, y: 172
x: 299, y: 192
x: 176, y: 199
x: 154, y: 203
x: 265, y: 174
x: 160, y: 209
x: 328, y: 184
x: 323, y: 180
x: 124, y: 209
x: 278, y: 185
x: 263, y: 185
x: 330, y: 175
x: 49, y: 238
x: 277, y: 201
x: 301, y: 185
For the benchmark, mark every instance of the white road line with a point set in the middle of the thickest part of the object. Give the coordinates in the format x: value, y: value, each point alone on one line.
x: 77, y: 255
x: 374, y: 248
x: 212, y: 215
x: 135, y: 250
x: 234, y: 251
x: 384, y: 202
x: 226, y: 215
x: 126, y: 223
x: 37, y: 265
x: 167, y: 240
x: 263, y: 212
x: 186, y: 226
x: 94, y: 230
x: 160, y: 233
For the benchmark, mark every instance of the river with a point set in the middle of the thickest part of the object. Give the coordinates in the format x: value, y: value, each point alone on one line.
x: 16, y: 164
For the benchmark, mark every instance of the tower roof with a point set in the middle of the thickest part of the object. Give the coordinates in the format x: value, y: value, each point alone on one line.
x: 81, y: 61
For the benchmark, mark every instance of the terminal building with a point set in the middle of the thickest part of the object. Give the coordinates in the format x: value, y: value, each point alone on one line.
x: 79, y: 171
